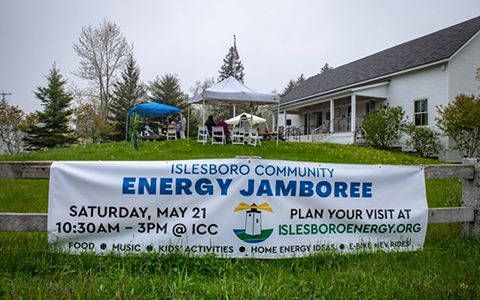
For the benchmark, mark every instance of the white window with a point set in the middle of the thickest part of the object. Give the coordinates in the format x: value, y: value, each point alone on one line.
x: 420, y: 113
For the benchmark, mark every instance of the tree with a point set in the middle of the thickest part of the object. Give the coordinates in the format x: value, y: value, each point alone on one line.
x: 290, y: 86
x: 200, y: 86
x: 384, y: 127
x: 126, y: 94
x: 232, y: 66
x: 293, y: 84
x: 196, y: 115
x: 103, y: 52
x: 218, y: 110
x: 167, y: 90
x: 228, y: 69
x: 326, y: 68
x: 460, y: 120
x: 90, y: 125
x: 301, y: 79
x: 52, y: 127
x: 12, y: 124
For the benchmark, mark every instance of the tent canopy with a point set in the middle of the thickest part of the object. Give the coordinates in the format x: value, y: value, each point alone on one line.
x: 154, y: 109
x: 254, y: 120
x: 233, y: 92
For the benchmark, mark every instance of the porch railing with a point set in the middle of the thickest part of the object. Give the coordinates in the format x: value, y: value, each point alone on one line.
x: 343, y: 124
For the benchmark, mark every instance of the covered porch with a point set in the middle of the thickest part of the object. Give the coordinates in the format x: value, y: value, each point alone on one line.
x: 335, y: 117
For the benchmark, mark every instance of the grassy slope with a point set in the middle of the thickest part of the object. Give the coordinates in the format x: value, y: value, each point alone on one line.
x: 447, y: 268
x: 183, y: 149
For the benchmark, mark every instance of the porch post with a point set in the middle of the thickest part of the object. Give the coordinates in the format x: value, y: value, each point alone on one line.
x: 353, y: 113
x: 332, y: 112
x: 273, y: 121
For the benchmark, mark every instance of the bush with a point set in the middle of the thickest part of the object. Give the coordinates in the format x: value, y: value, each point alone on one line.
x: 384, y: 127
x: 460, y: 120
x: 425, y: 141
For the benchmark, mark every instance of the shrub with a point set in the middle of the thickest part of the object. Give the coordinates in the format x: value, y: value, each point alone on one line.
x: 384, y: 127
x: 425, y: 141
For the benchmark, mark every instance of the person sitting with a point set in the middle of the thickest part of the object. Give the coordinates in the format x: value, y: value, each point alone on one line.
x: 266, y: 135
x: 148, y: 129
x: 210, y: 123
x: 172, y: 125
x: 223, y: 124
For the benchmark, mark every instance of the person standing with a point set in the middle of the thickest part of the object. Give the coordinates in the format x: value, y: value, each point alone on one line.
x: 181, y: 126
x: 210, y: 123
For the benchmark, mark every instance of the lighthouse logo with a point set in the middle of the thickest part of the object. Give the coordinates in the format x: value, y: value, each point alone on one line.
x: 253, y: 231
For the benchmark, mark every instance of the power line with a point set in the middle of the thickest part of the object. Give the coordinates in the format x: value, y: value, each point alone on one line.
x: 5, y: 94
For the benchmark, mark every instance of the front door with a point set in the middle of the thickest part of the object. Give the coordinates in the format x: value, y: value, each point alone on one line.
x: 319, y: 119
x: 305, y: 121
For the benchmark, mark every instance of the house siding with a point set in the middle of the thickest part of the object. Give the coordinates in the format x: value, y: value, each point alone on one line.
x: 462, y: 70
x: 429, y: 83
x: 461, y: 79
x: 436, y: 67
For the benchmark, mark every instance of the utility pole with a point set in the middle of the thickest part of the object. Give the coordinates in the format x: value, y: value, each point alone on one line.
x: 5, y: 94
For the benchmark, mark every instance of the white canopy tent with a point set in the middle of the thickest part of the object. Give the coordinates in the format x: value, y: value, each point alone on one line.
x: 233, y: 92
x: 254, y: 120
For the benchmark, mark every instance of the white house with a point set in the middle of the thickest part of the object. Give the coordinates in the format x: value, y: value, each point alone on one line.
x: 418, y: 75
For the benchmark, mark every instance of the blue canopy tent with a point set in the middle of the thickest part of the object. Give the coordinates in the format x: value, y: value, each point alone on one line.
x: 152, y: 109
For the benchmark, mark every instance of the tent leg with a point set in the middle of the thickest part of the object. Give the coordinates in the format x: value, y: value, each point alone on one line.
x: 278, y: 119
x: 188, y: 122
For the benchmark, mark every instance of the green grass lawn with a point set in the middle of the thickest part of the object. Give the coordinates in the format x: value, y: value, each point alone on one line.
x: 447, y: 268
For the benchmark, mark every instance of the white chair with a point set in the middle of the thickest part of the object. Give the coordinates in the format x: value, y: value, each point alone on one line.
x: 254, y: 137
x: 171, y: 134
x: 218, y: 136
x: 238, y: 136
x: 202, y: 136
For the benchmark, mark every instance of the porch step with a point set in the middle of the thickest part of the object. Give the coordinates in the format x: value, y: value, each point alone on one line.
x: 300, y: 138
x: 321, y: 138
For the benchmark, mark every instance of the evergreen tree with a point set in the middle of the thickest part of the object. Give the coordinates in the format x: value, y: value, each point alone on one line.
x: 126, y: 94
x: 293, y: 84
x: 301, y: 79
x: 326, y: 68
x: 290, y: 86
x: 227, y: 68
x: 52, y: 126
x: 167, y: 90
x: 232, y: 66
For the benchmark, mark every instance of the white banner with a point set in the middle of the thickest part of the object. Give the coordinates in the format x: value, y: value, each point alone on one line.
x: 236, y: 207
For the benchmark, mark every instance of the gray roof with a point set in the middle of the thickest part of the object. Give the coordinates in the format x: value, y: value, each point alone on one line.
x: 425, y: 50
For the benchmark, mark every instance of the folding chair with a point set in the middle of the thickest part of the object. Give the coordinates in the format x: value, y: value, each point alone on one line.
x: 202, y: 136
x: 218, y: 136
x: 254, y: 138
x: 171, y: 134
x: 238, y: 136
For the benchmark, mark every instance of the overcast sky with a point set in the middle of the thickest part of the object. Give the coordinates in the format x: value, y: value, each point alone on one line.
x: 277, y: 39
